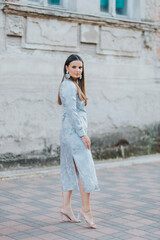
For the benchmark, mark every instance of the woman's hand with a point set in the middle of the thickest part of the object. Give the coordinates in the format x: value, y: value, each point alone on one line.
x: 86, y: 141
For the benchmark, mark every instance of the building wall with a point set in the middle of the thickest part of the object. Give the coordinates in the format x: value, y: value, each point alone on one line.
x: 122, y: 66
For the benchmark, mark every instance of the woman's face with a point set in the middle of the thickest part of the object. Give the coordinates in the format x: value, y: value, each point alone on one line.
x: 75, y: 69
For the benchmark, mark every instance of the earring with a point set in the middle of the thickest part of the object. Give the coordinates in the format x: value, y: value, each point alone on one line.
x: 80, y: 77
x: 67, y: 74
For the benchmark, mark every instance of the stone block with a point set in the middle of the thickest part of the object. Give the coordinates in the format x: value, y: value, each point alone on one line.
x: 14, y: 25
x: 119, y: 41
x: 51, y: 32
x: 89, y: 33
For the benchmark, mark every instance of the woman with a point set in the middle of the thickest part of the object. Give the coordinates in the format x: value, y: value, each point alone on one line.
x: 76, y: 163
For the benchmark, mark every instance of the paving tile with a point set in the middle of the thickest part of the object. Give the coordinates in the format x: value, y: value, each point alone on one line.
x: 146, y: 221
x: 126, y: 208
x: 35, y: 232
x: 50, y: 228
x: 6, y: 238
x: 152, y: 229
x: 107, y: 238
x: 137, y: 238
x: 158, y: 232
x: 151, y: 237
x: 136, y: 232
x: 19, y: 236
x: 6, y: 231
x: 10, y: 223
x: 64, y: 235
x: 107, y: 231
x: 32, y: 238
x: 94, y: 234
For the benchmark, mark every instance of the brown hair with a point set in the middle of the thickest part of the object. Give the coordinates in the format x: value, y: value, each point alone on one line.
x: 81, y: 82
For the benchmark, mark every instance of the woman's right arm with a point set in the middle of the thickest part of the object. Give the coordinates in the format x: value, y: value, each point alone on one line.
x: 69, y: 92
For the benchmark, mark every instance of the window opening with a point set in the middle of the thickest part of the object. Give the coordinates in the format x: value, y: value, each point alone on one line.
x: 104, y: 5
x: 121, y: 7
x: 54, y: 2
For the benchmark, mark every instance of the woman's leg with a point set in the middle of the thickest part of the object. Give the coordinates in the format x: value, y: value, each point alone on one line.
x: 66, y: 196
x: 66, y: 206
x: 85, y: 201
x: 86, y: 209
x: 85, y: 198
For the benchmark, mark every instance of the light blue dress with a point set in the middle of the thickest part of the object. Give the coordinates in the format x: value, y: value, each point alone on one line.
x: 74, y: 125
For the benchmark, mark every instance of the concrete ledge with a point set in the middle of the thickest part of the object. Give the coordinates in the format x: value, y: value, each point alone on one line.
x: 45, y: 12
x: 111, y: 163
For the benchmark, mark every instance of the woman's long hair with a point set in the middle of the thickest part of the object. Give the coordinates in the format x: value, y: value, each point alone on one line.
x: 81, y: 82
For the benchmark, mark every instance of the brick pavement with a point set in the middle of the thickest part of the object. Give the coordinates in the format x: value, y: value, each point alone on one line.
x: 127, y: 207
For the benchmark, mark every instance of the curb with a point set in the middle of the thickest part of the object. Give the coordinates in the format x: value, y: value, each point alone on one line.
x: 129, y: 161
x: 101, y: 164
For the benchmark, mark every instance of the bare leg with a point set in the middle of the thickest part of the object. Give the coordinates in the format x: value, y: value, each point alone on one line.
x: 66, y: 196
x: 85, y: 201
x: 85, y: 198
x: 66, y: 206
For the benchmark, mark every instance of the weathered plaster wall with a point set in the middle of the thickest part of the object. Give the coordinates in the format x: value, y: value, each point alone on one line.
x: 122, y: 64
x: 91, y: 6
x: 152, y: 10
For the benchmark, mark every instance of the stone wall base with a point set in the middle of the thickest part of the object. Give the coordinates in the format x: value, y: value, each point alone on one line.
x: 124, y: 143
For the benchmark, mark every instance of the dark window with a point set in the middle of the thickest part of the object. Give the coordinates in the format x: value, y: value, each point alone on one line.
x: 105, y: 5
x: 121, y: 7
x: 54, y: 2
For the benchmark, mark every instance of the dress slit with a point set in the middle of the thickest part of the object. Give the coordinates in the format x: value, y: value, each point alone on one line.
x: 76, y: 168
x: 75, y: 165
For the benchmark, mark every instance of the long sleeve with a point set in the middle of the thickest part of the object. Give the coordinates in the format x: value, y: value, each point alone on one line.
x: 68, y: 93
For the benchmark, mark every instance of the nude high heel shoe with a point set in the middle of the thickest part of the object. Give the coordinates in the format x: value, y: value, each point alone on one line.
x: 86, y: 218
x: 66, y: 215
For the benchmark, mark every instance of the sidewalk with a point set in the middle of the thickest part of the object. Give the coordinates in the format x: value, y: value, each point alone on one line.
x: 127, y: 207
x: 111, y: 163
